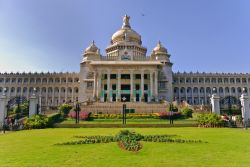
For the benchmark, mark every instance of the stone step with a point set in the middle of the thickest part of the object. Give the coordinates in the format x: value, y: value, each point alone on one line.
x: 141, y: 107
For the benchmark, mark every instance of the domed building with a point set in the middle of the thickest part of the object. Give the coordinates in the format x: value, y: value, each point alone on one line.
x: 125, y: 73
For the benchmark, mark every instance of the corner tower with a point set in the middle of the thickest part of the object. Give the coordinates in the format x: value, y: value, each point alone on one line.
x: 165, y: 75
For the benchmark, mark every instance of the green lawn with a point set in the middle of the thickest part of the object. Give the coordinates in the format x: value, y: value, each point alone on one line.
x: 32, y: 148
x: 131, y: 121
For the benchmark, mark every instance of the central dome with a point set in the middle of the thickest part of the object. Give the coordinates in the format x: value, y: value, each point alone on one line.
x: 126, y: 33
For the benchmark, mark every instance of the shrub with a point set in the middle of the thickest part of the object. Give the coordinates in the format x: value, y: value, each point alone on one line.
x: 36, y: 122
x: 209, y: 120
x: 72, y: 114
x: 24, y: 108
x: 128, y: 135
x: 83, y: 115
x: 128, y: 115
x: 65, y: 108
x: 187, y: 112
x: 54, y: 118
x: 166, y: 115
x: 231, y: 111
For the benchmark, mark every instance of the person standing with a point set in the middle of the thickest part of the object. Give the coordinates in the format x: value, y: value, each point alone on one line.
x: 5, y: 124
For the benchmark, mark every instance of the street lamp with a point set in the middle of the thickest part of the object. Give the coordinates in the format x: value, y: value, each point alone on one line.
x: 77, y: 110
x: 214, y: 90
x: 124, y: 111
x: 244, y: 90
x: 171, y: 114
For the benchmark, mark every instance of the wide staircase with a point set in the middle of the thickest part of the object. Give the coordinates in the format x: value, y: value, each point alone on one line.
x: 116, y: 107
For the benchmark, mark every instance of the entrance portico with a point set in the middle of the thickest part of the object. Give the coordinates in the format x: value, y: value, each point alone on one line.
x: 137, y: 82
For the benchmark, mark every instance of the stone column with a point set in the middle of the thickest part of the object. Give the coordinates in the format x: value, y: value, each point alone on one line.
x: 186, y: 93
x: 224, y: 92
x: 151, y: 86
x: 156, y: 86
x: 131, y: 86
x: 142, y: 85
x: 72, y: 95
x: 199, y: 96
x: 59, y: 97
x: 21, y: 93
x: 16, y: 91
x: 205, y: 93
x: 192, y: 95
x: 66, y: 94
x: 94, y: 89
x: 119, y: 87
x: 215, y: 101
x: 33, y: 105
x: 3, y: 108
x: 108, y: 87
x: 40, y: 104
x: 53, y: 96
x: 99, y: 89
x: 245, y: 110
x: 46, y: 98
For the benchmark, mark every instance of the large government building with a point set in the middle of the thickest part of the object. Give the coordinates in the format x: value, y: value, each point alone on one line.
x: 125, y: 73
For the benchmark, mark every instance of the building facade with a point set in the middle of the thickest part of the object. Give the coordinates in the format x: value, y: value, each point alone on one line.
x: 125, y: 73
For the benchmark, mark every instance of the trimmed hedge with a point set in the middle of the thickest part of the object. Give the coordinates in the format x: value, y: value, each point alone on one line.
x: 36, y: 122
x: 42, y: 121
x: 128, y: 116
x: 210, y: 120
x: 54, y: 118
x: 187, y: 112
x: 65, y: 108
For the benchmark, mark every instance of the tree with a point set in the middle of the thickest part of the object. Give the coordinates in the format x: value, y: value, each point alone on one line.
x: 187, y: 112
x: 65, y: 108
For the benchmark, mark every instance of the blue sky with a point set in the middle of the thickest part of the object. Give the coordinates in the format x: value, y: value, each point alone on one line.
x: 200, y: 35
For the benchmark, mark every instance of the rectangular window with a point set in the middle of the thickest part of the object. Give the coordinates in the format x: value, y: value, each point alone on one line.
x: 137, y: 76
x: 162, y: 85
x: 113, y: 76
x: 125, y: 76
x: 89, y: 84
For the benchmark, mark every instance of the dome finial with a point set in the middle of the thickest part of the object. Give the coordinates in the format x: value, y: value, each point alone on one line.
x: 159, y: 43
x: 92, y: 47
x: 126, y: 21
x: 160, y: 48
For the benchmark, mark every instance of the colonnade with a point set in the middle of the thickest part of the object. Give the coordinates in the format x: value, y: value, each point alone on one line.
x: 100, y: 81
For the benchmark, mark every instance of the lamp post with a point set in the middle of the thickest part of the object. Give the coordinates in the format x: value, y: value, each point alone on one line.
x: 124, y: 111
x: 34, y: 92
x: 171, y: 120
x: 77, y: 110
x: 37, y: 105
x: 214, y: 90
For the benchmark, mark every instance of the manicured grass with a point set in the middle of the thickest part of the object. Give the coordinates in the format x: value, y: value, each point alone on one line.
x: 225, y: 147
x: 131, y: 121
